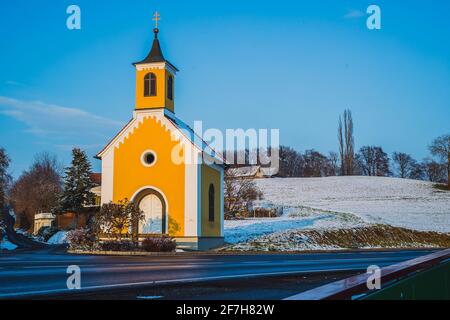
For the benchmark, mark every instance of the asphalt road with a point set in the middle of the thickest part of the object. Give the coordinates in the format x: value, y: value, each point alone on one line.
x: 44, y: 273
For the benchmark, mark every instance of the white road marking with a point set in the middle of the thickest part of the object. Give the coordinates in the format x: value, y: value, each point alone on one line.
x: 159, y: 282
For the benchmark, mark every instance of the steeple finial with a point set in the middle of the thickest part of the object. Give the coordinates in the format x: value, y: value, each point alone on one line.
x: 156, y: 18
x: 155, y: 54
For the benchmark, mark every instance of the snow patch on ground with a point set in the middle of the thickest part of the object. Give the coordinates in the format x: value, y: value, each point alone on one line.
x: 243, y: 230
x: 58, y: 238
x: 237, y: 231
x: 398, y: 202
x: 22, y: 232
x: 6, y: 245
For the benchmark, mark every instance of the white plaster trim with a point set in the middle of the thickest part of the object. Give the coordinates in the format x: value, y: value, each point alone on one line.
x: 190, y: 202
x: 139, y: 116
x: 107, y: 176
x: 222, y: 217
x: 156, y: 65
x: 199, y: 197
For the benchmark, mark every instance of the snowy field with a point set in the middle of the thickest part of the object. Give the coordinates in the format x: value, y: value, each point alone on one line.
x: 398, y: 202
x: 343, y: 203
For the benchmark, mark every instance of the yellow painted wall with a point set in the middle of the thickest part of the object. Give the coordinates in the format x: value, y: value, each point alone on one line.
x: 208, y: 176
x: 158, y: 101
x: 130, y: 175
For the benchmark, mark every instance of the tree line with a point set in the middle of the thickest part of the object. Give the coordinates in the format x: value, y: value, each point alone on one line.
x: 368, y: 160
x: 46, y: 187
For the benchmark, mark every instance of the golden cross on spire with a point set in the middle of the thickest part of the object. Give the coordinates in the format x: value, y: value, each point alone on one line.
x: 156, y: 18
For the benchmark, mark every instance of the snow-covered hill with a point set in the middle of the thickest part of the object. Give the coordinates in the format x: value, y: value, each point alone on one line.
x: 398, y: 202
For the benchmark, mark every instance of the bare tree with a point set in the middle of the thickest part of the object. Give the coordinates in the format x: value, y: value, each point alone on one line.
x: 291, y: 163
x: 417, y: 171
x: 238, y: 193
x: 373, y: 161
x: 434, y: 171
x: 333, y: 159
x: 346, y: 143
x: 36, y: 190
x: 315, y: 164
x: 341, y: 147
x: 366, y: 160
x: 311, y: 163
x: 440, y: 147
x: 405, y: 164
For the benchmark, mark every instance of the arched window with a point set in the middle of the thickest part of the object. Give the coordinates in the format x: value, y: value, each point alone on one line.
x: 211, y: 197
x: 150, y: 85
x: 170, y: 88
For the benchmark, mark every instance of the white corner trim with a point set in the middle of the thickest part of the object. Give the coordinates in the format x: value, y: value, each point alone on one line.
x: 199, y: 197
x: 190, y: 201
x: 222, y: 204
x: 107, y: 177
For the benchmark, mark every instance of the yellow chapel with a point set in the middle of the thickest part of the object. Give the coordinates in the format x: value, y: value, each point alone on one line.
x: 158, y: 162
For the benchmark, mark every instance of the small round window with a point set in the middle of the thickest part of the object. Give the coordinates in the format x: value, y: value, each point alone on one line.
x: 148, y: 158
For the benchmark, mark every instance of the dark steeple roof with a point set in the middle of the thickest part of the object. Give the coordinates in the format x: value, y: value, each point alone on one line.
x: 155, y: 54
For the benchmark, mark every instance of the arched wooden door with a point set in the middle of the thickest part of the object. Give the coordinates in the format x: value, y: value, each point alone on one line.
x: 153, y: 206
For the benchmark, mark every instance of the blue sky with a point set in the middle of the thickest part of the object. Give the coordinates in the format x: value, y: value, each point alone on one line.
x: 292, y: 65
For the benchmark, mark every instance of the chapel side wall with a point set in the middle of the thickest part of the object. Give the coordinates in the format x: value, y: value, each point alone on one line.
x: 211, y: 176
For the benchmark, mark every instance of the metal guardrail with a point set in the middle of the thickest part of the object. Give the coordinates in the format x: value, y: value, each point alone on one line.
x: 430, y: 284
x: 348, y: 288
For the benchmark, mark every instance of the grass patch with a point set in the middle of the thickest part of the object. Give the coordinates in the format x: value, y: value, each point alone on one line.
x: 442, y: 187
x: 374, y: 236
x: 379, y: 236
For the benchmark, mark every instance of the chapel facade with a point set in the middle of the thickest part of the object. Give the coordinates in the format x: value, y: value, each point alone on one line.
x: 158, y: 162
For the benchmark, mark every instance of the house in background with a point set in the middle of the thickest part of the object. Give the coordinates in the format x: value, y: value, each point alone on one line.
x: 67, y: 220
x: 156, y: 161
x: 96, y: 189
x: 43, y: 220
x: 252, y: 172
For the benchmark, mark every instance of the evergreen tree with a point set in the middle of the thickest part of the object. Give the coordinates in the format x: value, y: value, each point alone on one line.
x: 77, y: 184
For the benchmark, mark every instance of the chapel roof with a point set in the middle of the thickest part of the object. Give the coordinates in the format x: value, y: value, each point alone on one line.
x: 186, y: 130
